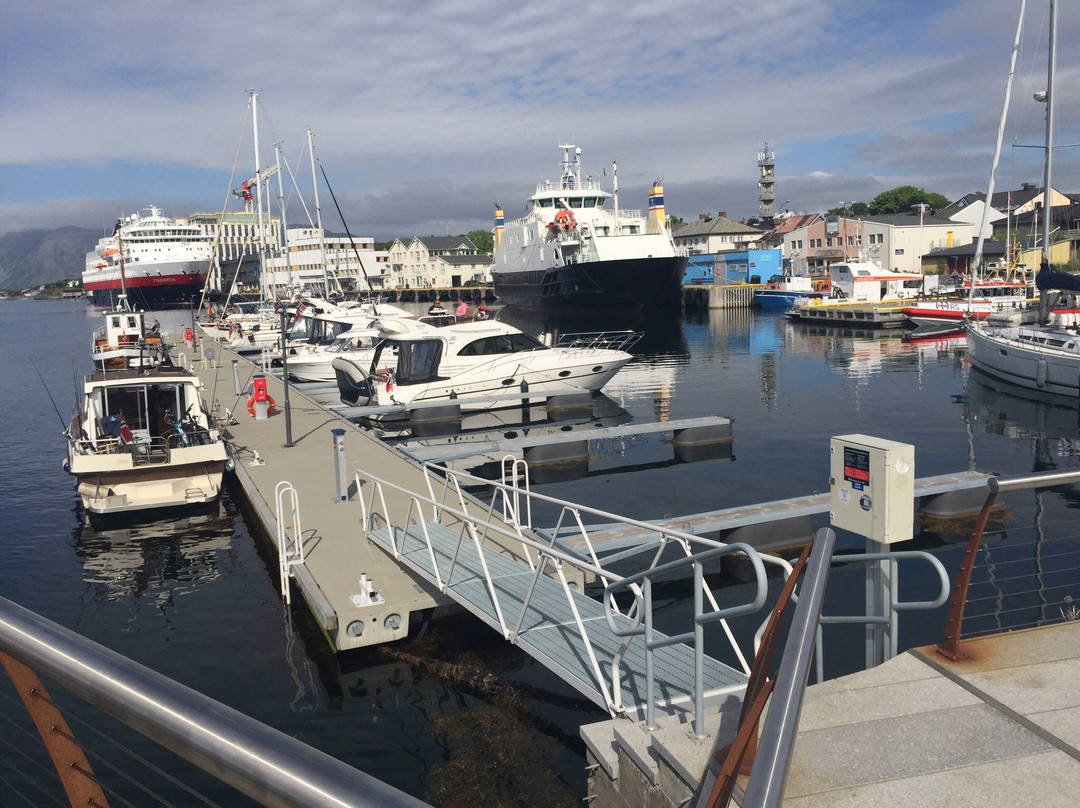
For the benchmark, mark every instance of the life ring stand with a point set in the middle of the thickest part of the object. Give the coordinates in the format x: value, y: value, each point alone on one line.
x: 564, y: 219
x: 269, y: 410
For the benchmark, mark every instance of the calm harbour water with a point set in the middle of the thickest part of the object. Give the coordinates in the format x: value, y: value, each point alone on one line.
x: 196, y: 599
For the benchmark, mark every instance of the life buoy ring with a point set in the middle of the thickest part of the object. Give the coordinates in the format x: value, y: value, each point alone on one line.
x: 251, y: 405
x: 565, y: 220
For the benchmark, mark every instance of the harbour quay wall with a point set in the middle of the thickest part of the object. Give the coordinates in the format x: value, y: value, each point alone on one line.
x: 698, y: 297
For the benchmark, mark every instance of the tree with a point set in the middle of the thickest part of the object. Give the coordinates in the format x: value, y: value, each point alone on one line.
x: 901, y: 200
x: 483, y: 239
x: 854, y: 209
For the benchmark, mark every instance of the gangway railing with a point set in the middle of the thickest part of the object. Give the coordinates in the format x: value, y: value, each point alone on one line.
x: 522, y: 585
x: 272, y: 768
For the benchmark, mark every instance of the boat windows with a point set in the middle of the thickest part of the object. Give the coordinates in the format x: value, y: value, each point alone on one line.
x: 545, y: 203
x: 143, y: 405
x: 418, y: 362
x: 590, y: 202
x: 502, y: 344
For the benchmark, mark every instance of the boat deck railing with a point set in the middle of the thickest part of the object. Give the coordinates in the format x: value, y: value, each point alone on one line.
x: 616, y: 340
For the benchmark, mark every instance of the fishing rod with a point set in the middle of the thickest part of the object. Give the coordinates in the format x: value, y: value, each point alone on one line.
x: 49, y: 394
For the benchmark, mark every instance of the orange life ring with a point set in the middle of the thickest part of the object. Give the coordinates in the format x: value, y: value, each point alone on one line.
x: 565, y: 220
x: 269, y: 410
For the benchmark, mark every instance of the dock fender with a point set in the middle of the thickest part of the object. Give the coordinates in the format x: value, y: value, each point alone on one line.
x: 1040, y: 373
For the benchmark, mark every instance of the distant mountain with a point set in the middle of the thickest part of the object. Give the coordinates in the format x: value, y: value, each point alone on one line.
x: 34, y: 257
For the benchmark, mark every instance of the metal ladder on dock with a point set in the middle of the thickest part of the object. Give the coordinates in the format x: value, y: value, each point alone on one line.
x: 531, y: 591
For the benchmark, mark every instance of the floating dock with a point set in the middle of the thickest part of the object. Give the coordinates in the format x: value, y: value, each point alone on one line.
x: 861, y: 315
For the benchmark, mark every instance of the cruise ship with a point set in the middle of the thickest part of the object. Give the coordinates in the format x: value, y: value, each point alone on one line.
x: 156, y: 261
x: 576, y: 250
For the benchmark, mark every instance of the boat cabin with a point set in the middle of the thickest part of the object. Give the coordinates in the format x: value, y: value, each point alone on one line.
x: 131, y: 407
x: 863, y: 282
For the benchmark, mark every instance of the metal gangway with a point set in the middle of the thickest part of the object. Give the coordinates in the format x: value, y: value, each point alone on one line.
x: 481, y: 552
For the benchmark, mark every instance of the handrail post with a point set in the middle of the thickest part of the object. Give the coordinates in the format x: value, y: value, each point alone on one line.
x: 950, y: 644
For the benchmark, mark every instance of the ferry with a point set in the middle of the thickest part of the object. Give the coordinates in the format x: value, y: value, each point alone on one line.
x: 576, y: 250
x: 155, y: 260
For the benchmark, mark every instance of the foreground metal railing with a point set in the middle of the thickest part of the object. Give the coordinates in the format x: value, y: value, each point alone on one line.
x: 950, y: 643
x: 494, y: 523
x: 266, y: 765
x: 769, y: 771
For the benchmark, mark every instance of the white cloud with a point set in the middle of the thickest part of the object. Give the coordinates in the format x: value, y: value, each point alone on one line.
x: 425, y: 113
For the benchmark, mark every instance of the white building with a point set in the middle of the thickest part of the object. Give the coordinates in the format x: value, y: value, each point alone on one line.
x: 893, y: 241
x: 437, y: 262
x: 348, y: 265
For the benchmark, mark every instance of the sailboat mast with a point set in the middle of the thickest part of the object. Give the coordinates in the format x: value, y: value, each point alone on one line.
x: 263, y: 288
x: 122, y: 303
x: 980, y: 240
x: 284, y: 222
x: 318, y: 215
x: 1047, y: 170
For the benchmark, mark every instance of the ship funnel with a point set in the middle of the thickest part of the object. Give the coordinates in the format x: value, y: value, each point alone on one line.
x: 500, y: 224
x: 657, y: 216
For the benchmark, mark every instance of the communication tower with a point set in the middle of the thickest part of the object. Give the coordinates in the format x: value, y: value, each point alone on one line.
x: 766, y: 161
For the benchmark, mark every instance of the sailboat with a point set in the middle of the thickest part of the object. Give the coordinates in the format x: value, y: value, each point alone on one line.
x: 1040, y: 352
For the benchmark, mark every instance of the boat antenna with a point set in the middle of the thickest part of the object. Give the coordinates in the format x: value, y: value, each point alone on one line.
x: 997, y: 156
x: 49, y: 394
x: 352, y: 243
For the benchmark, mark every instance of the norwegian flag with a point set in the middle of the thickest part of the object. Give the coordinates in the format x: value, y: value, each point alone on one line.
x: 389, y: 380
x: 299, y: 310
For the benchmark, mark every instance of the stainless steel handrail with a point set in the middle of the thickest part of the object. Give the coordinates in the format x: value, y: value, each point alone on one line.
x: 266, y: 765
x: 769, y: 776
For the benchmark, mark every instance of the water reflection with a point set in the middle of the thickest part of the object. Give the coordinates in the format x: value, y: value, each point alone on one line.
x: 154, y: 558
x: 862, y: 354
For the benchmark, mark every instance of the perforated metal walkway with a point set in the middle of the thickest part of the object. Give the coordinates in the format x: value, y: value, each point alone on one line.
x: 546, y: 624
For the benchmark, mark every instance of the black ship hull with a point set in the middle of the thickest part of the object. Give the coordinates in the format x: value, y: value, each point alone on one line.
x: 653, y: 283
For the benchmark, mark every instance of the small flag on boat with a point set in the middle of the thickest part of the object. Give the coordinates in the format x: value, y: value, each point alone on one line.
x: 299, y: 310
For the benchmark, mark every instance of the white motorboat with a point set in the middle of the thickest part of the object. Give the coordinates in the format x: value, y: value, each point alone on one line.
x: 577, y: 250
x: 473, y: 364
x: 1037, y: 351
x: 313, y: 363
x: 143, y: 439
x: 155, y: 260
x: 865, y: 282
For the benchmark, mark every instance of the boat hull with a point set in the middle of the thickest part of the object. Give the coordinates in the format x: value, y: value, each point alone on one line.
x: 620, y: 284
x: 165, y: 285
x: 778, y: 299
x: 1045, y: 368
x: 117, y: 490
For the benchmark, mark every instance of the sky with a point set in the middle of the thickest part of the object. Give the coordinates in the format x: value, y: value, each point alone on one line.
x: 424, y: 115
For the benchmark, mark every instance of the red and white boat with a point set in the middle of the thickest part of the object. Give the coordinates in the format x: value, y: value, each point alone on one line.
x: 157, y: 261
x: 1001, y: 290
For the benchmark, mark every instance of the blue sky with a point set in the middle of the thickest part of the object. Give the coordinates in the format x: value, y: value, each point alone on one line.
x: 425, y: 114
